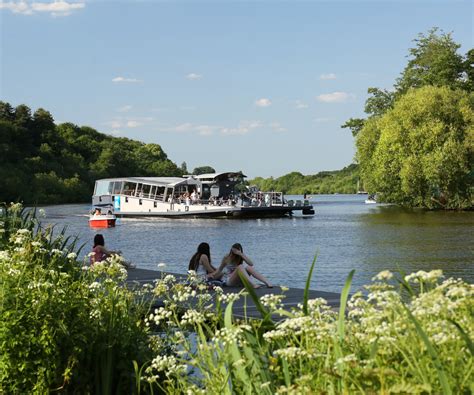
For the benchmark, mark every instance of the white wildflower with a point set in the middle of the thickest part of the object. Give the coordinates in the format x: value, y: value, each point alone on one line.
x: 383, y: 276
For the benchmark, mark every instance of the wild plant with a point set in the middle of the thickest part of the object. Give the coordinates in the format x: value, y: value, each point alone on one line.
x: 65, y: 326
x: 378, y: 342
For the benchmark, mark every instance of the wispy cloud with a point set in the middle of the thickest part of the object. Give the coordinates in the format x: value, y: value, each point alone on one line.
x: 263, y: 102
x: 299, y: 105
x: 329, y: 76
x: 193, y: 76
x: 335, y: 97
x: 187, y: 127
x: 127, y: 123
x: 125, y: 80
x: 56, y: 8
x: 244, y: 127
x: 125, y: 108
x: 276, y: 126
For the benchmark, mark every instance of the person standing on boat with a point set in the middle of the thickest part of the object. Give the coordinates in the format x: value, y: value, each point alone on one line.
x: 237, y: 262
x: 200, y: 262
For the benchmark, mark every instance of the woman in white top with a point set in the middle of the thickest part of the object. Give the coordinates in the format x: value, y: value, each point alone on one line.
x: 236, y: 262
x: 201, y: 262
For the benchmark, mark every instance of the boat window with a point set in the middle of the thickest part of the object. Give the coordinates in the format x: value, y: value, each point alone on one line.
x: 129, y: 188
x: 160, y: 193
x: 146, y: 191
x: 152, y: 192
x: 117, y: 187
x: 102, y: 188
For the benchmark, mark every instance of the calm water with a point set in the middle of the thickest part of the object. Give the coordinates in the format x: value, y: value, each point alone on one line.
x: 346, y: 233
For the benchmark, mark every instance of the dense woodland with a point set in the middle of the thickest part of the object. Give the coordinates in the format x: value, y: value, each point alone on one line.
x: 338, y: 181
x: 41, y: 162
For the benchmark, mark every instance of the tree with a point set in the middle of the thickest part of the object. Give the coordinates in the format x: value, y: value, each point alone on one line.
x: 421, y: 152
x: 184, y: 168
x: 434, y: 61
x: 203, y: 170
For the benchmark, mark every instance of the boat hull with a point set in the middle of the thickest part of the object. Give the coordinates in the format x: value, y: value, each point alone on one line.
x: 102, y: 222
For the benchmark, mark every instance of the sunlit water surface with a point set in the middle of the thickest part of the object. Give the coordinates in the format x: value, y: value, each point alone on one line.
x: 345, y: 234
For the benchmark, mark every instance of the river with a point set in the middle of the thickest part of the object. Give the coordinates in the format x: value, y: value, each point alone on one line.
x: 345, y: 233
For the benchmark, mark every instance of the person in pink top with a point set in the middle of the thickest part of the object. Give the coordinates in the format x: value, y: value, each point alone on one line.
x: 100, y: 253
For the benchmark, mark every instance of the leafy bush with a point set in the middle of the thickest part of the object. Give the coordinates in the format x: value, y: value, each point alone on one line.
x: 63, y: 326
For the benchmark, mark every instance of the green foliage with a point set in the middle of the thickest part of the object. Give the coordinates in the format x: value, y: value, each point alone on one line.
x: 421, y: 153
x: 416, y: 146
x: 41, y: 162
x: 434, y: 61
x: 63, y: 328
x: 203, y: 170
x: 339, y: 181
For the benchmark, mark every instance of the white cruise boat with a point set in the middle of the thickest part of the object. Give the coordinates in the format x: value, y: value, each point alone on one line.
x: 205, y: 195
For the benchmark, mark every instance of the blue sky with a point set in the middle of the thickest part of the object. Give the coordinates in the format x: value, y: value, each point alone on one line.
x: 257, y: 86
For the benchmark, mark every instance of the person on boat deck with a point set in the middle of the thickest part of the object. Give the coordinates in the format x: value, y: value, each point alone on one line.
x: 97, y: 211
x: 237, y: 262
x: 200, y: 262
x: 100, y: 253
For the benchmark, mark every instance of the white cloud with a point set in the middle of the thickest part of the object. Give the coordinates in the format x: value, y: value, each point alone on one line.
x: 299, y: 105
x: 55, y: 8
x: 335, y: 97
x: 194, y: 76
x: 276, y: 126
x: 330, y: 76
x: 244, y: 127
x: 263, y: 102
x: 125, y: 108
x: 133, y: 124
x: 123, y: 79
x: 206, y: 130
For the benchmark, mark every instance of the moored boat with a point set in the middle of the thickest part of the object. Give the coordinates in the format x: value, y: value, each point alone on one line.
x: 205, y: 195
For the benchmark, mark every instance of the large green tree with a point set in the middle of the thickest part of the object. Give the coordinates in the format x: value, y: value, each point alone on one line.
x: 421, y: 153
x: 433, y: 61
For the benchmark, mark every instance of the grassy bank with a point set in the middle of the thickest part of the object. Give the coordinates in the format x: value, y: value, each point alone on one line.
x: 69, y: 328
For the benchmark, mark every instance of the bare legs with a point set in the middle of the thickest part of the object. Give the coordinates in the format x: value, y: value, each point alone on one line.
x: 234, y: 278
x: 252, y: 272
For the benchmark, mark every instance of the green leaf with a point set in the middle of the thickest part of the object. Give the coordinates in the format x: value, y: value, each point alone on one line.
x: 342, y: 307
x: 306, y: 288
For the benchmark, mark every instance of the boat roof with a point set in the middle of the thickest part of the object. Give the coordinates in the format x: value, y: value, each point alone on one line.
x: 168, y: 181
x: 173, y: 181
x: 217, y: 175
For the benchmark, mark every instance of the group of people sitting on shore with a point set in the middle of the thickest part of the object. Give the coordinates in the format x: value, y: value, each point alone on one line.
x: 233, y: 265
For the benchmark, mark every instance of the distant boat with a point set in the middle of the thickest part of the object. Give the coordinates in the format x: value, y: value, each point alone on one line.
x: 99, y: 220
x: 371, y: 199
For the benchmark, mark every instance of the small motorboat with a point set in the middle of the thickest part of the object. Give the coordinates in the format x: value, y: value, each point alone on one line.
x: 99, y: 220
x: 371, y: 200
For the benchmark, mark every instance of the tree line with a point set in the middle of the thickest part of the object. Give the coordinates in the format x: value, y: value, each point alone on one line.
x: 41, y: 162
